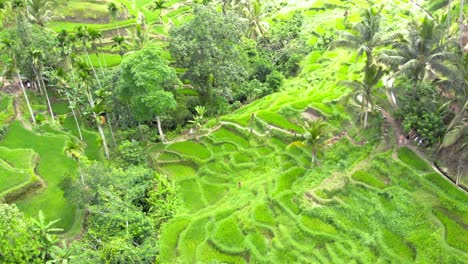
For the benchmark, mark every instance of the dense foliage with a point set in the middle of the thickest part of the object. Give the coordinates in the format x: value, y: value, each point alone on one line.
x: 233, y: 131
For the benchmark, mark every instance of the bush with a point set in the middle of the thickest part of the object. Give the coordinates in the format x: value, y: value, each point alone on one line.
x: 132, y: 153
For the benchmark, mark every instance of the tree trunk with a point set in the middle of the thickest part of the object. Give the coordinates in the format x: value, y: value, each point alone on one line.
x: 314, y: 157
x: 160, y: 131
x: 26, y: 97
x: 39, y: 82
x: 111, y: 131
x: 366, y: 113
x: 76, y: 119
x: 88, y: 60
x: 100, y: 129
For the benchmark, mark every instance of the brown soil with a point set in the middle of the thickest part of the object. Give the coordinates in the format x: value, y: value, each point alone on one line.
x: 311, y: 114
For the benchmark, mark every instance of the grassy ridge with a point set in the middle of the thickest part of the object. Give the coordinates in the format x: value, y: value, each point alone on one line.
x: 54, y: 164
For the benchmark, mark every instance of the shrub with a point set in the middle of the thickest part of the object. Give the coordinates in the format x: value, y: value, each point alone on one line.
x: 131, y: 152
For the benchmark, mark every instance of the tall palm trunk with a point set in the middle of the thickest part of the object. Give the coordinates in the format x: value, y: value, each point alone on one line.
x: 160, y: 131
x: 70, y: 103
x: 314, y: 157
x: 40, y: 82
x: 99, y: 125
x: 26, y: 97
x: 111, y: 131
x: 74, y: 116
x: 366, y: 112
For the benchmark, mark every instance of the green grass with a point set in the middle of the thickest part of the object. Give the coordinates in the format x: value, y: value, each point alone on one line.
x: 410, y: 158
x: 456, y: 234
x: 16, y: 168
x: 54, y: 164
x: 228, y: 237
x: 190, y: 149
x: 369, y: 179
x: 398, y: 245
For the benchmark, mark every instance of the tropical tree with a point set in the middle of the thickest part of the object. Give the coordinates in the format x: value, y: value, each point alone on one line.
x: 421, y: 54
x: 82, y: 33
x: 59, y: 77
x: 315, y: 138
x: 9, y: 47
x: 85, y: 82
x: 363, y: 92
x: 257, y: 28
x: 214, y: 68
x: 37, y: 57
x: 139, y: 37
x: 146, y: 84
x: 366, y: 36
x: 17, y: 243
x: 95, y: 36
x: 119, y: 42
x: 199, y: 117
x: 113, y: 11
x: 39, y: 11
x: 45, y: 232
x: 159, y: 5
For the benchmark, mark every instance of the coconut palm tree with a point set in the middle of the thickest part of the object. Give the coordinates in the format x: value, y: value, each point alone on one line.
x: 139, y: 37
x: 9, y: 47
x: 82, y: 33
x: 315, y: 137
x: 158, y: 5
x: 363, y: 92
x: 95, y: 36
x: 59, y: 77
x: 84, y: 75
x: 37, y: 67
x: 420, y: 54
x: 366, y: 36
x: 113, y: 11
x: 39, y: 11
x: 257, y: 27
x: 119, y: 42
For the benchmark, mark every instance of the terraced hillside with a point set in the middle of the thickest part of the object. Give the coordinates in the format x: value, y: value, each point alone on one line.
x: 249, y: 194
x: 34, y: 161
x: 95, y: 15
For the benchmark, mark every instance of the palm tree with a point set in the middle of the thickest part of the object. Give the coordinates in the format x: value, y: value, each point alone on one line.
x: 37, y: 57
x: 420, y: 54
x: 59, y: 77
x: 95, y: 36
x: 140, y: 37
x: 84, y: 74
x: 119, y: 42
x: 83, y: 35
x: 39, y: 11
x: 45, y: 232
x: 365, y: 36
x: 9, y: 47
x: 158, y: 5
x: 113, y: 13
x: 363, y: 91
x: 315, y: 137
x: 257, y: 27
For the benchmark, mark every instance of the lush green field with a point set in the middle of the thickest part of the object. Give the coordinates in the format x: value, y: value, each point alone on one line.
x: 95, y: 15
x: 256, y: 199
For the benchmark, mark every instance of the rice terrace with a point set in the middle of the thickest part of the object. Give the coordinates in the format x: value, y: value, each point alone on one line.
x: 234, y: 131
